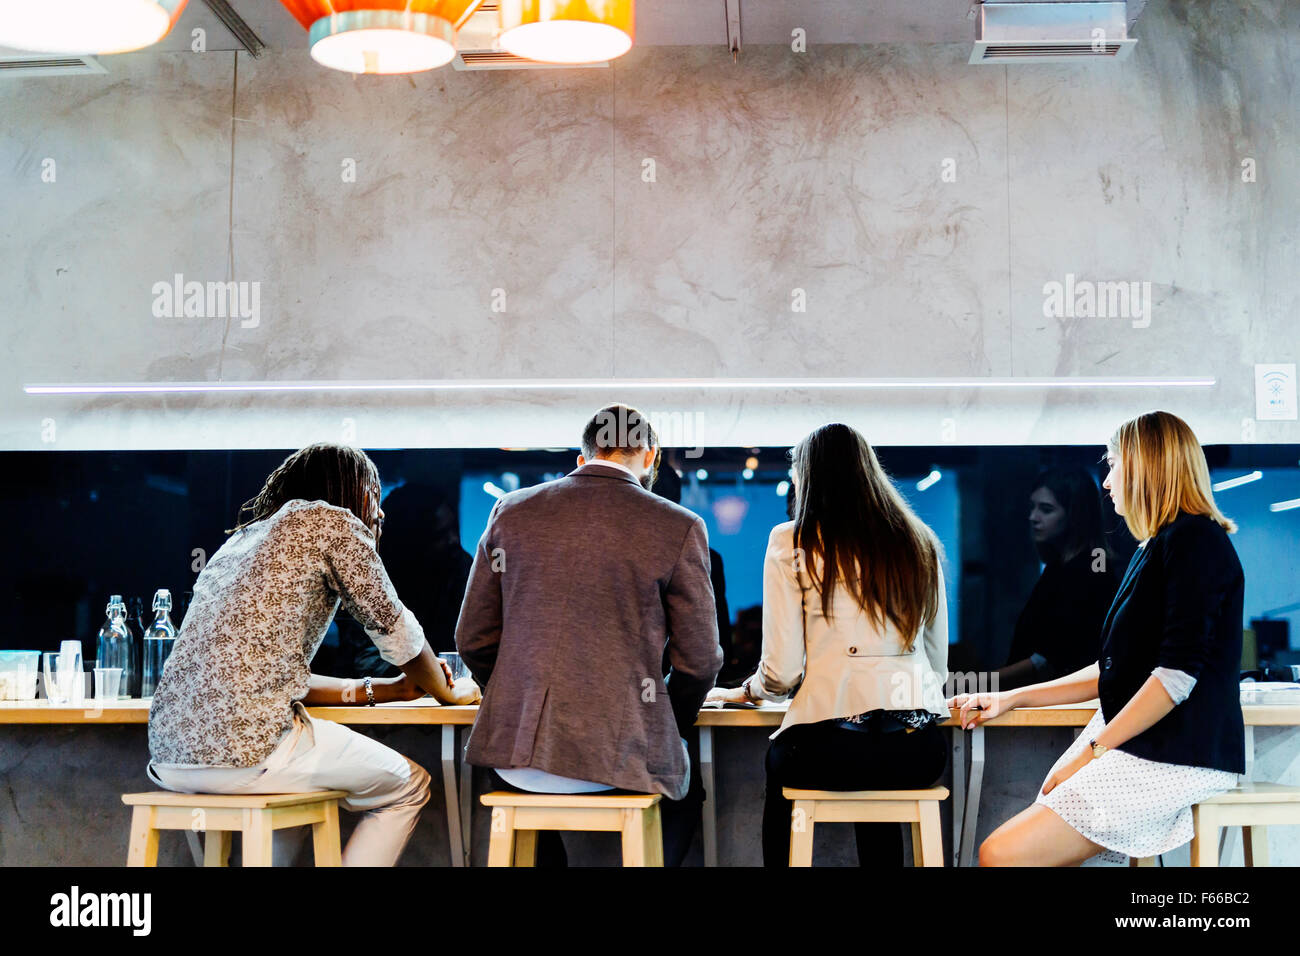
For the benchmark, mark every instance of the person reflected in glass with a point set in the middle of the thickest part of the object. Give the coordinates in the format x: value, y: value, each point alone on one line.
x: 1059, y: 628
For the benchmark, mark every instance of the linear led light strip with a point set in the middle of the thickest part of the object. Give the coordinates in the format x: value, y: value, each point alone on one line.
x: 542, y: 384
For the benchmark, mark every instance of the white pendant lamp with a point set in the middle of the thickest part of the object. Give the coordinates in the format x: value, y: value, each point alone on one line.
x: 382, y: 41
x: 86, y: 26
x: 567, y: 31
x: 382, y: 36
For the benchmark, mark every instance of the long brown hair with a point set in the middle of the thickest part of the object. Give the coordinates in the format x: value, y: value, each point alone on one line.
x: 853, y: 528
x: 1163, y: 471
x: 339, y: 475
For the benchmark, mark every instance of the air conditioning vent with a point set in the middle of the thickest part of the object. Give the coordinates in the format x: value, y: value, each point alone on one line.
x: 1047, y: 32
x: 476, y: 44
x: 47, y: 65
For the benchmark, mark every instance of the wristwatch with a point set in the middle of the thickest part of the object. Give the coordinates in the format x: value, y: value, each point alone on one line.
x: 745, y: 687
x: 370, y: 691
x: 1098, y: 749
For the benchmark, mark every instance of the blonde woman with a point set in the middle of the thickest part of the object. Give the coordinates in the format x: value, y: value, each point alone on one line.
x: 1169, y: 732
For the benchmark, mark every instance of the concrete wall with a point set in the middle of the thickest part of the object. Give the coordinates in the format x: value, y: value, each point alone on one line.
x: 819, y: 172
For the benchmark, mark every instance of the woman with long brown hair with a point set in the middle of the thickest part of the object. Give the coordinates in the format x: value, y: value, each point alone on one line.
x: 854, y: 615
x: 1169, y: 731
x: 228, y: 714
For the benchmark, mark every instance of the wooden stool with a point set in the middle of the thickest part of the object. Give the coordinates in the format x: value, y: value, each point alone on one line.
x: 920, y: 808
x: 516, y: 818
x: 255, y: 815
x: 1251, y: 806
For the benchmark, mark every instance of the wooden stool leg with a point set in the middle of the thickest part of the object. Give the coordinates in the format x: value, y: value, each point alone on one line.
x: 643, y: 841
x: 1143, y: 860
x: 216, y: 848
x: 1205, y: 837
x: 525, y: 848
x: 802, y: 820
x: 501, y: 847
x: 325, y: 837
x: 257, y: 838
x: 654, y: 837
x: 1254, y: 841
x: 915, y: 828
x: 142, y: 847
x: 931, y: 835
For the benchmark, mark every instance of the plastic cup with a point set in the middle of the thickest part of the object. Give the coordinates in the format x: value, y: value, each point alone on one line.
x: 108, y: 680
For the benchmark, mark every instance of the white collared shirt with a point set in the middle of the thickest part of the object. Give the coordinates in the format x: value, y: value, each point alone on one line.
x: 611, y: 463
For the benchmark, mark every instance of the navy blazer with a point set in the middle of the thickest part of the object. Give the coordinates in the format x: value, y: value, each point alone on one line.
x: 1180, y: 606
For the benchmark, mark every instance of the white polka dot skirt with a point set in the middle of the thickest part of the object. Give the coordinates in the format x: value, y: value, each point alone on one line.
x: 1131, y: 806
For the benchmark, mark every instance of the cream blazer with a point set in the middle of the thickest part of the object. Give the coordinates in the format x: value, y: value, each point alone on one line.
x: 848, y: 665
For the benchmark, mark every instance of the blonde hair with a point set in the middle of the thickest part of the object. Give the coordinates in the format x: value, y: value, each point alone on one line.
x: 1162, y: 472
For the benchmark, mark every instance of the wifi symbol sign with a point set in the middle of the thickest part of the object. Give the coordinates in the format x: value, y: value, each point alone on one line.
x: 1275, y: 392
x: 1276, y: 383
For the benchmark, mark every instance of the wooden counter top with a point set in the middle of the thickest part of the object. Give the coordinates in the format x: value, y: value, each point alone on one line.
x: 429, y: 712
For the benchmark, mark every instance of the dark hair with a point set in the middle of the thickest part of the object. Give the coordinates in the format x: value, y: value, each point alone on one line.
x: 620, y: 429
x: 336, y: 474
x: 1075, y: 490
x: 851, y: 518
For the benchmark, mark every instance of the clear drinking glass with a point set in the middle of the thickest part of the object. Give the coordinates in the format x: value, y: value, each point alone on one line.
x: 458, y: 668
x: 61, y: 673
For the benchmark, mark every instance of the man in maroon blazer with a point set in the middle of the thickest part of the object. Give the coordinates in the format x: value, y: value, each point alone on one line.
x: 577, y: 586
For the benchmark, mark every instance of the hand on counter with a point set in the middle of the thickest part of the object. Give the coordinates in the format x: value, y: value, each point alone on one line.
x: 978, y: 708
x: 731, y: 695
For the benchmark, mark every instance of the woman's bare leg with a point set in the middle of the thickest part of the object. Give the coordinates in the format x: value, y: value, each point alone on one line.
x: 1036, y: 836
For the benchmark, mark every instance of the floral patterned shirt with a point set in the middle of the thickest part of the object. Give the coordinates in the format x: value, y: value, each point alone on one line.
x: 261, y: 608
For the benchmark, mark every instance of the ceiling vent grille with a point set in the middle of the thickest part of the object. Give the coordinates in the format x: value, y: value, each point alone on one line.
x: 1047, y: 32
x: 476, y: 43
x: 45, y: 64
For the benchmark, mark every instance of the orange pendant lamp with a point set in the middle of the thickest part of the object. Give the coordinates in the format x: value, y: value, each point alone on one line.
x: 567, y: 31
x: 382, y: 36
x: 86, y: 26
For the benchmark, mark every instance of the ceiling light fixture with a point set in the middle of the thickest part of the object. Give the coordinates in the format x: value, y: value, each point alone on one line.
x: 382, y: 36
x: 567, y: 31
x: 86, y: 26
x: 1237, y: 482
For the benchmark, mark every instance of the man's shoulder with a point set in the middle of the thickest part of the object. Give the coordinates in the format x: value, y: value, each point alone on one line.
x: 578, y: 493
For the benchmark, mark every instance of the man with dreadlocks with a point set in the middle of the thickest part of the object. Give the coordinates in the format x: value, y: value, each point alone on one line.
x: 229, y: 715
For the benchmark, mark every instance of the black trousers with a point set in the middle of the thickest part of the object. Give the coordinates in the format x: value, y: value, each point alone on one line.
x: 824, y: 756
x: 678, y: 818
